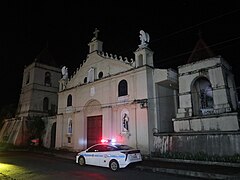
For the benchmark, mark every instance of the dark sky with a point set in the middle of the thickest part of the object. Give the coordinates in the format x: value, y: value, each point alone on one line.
x: 67, y: 27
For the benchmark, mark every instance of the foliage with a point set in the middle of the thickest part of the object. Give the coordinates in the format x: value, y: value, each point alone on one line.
x: 7, y: 112
x: 8, y: 146
x: 36, y: 126
x: 200, y: 156
x: 5, y: 146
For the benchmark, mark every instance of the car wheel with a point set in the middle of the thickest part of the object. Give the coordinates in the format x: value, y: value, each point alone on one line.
x: 113, y: 165
x: 81, y: 161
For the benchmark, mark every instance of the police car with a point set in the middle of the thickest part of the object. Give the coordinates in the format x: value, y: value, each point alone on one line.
x: 109, y: 154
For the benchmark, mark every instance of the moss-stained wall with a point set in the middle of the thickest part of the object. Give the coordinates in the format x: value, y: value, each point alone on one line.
x: 221, y: 144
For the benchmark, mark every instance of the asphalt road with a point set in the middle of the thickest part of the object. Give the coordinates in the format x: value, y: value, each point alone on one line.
x: 28, y: 165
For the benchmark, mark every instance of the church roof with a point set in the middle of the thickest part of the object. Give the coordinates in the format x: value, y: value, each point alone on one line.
x: 201, y: 51
x: 45, y: 57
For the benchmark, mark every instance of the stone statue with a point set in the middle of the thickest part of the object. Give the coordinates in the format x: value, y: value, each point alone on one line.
x: 144, y: 38
x: 65, y: 72
x: 95, y: 34
x: 125, y: 122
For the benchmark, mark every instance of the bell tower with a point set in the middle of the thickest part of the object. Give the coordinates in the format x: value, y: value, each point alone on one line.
x: 39, y: 88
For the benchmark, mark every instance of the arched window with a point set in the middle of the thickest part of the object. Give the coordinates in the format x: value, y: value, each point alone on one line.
x: 85, y: 80
x: 90, y: 76
x: 69, y: 100
x: 202, y: 97
x: 140, y: 60
x: 47, y: 79
x: 45, y: 104
x: 122, y: 88
x: 100, y: 75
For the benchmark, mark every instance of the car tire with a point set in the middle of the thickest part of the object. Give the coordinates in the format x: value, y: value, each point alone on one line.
x: 81, y: 161
x: 113, y: 165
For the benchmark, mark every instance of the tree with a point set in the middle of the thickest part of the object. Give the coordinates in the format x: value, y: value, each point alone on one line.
x: 7, y: 112
x: 36, y: 127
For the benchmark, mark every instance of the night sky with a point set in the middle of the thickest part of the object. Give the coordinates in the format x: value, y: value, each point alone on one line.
x: 66, y: 27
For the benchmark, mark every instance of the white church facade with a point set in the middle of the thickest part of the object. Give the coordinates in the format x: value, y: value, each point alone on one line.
x: 113, y: 97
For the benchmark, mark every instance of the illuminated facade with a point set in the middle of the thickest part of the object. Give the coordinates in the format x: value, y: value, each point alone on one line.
x: 115, y: 97
x: 155, y: 110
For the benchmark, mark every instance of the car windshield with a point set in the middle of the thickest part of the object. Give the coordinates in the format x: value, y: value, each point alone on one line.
x: 123, y: 147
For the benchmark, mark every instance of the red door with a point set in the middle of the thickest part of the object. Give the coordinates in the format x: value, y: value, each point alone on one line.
x: 94, y: 130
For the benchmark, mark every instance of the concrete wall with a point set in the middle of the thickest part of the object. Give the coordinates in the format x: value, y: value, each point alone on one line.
x: 14, y: 131
x: 210, y: 143
x: 222, y: 122
x: 48, y: 130
x: 167, y: 108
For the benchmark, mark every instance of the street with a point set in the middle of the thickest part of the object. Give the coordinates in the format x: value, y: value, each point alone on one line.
x: 34, y: 166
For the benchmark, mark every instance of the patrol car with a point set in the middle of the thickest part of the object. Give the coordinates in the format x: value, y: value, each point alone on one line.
x: 109, y: 154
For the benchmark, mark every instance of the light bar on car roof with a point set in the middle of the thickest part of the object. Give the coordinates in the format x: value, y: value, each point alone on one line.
x: 108, y: 140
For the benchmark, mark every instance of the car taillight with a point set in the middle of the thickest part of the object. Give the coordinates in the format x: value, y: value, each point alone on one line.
x: 133, y: 151
x: 126, y: 153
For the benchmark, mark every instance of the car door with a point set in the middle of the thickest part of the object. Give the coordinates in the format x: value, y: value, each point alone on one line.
x: 92, y: 155
x: 107, y: 153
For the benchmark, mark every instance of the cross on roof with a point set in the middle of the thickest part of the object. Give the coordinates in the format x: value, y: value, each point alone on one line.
x: 96, y: 33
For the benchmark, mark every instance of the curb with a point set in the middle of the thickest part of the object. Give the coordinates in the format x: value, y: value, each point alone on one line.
x: 199, y: 162
x: 188, y: 173
x: 65, y: 157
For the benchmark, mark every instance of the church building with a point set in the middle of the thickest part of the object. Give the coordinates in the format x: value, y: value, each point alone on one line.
x: 110, y: 96
x: 191, y: 110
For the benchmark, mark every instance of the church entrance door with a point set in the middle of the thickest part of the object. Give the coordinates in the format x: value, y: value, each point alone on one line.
x: 94, y: 130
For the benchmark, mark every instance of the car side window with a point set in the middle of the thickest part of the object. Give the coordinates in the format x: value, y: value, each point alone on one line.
x: 94, y: 149
x: 102, y: 148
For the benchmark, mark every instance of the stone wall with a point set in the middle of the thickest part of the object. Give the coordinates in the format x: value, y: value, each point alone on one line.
x: 219, y: 143
x: 14, y: 131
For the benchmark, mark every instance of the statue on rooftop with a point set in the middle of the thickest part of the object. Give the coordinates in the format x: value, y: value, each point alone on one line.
x: 95, y: 34
x: 144, y: 38
x: 65, y: 72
